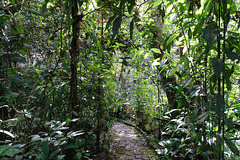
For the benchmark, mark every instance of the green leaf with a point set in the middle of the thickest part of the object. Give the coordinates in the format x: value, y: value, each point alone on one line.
x: 229, y: 123
x: 100, y: 47
x: 95, y: 40
x: 157, y: 3
x: 183, y: 6
x: 79, y: 155
x: 219, y: 143
x: 13, y: 2
x: 180, y: 89
x: 156, y: 62
x: 45, y: 149
x: 195, y: 91
x: 231, y: 146
x: 231, y: 55
x: 35, y: 137
x: 186, y: 82
x: 14, y: 78
x: 19, y: 29
x: 207, y: 153
x: 29, y: 46
x: 207, y: 6
x: 207, y: 35
x: 34, y: 12
x: 203, y: 116
x: 225, y: 12
x: 110, y: 20
x: 70, y: 146
x: 199, y: 26
x: 3, y: 149
x: 227, y: 75
x: 74, y: 134
x: 9, y: 151
x: 131, y: 29
x: 116, y: 25
x: 19, y: 59
x: 53, y: 154
x: 60, y: 157
x: 163, y: 62
x: 173, y: 71
x: 156, y: 50
x: 188, y: 24
x: 219, y: 105
x: 82, y: 142
x: 7, y: 133
x: 4, y: 18
x: 11, y: 71
x: 172, y: 37
x: 44, y: 5
x: 182, y: 102
x: 68, y: 121
x: 220, y: 102
x: 120, y: 45
x: 22, y: 51
x: 194, y: 114
x: 218, y: 68
x: 14, y: 95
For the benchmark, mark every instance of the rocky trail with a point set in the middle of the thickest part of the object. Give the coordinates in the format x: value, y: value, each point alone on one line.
x: 128, y: 144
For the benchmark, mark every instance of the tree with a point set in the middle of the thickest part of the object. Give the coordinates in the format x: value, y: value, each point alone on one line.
x: 74, y: 52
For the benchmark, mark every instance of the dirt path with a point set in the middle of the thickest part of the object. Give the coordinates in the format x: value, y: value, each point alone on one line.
x: 128, y: 144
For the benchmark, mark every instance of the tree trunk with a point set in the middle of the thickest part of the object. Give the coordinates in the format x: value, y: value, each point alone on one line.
x: 74, y: 52
x: 171, y: 92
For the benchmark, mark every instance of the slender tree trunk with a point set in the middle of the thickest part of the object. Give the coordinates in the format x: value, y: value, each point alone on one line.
x: 74, y: 52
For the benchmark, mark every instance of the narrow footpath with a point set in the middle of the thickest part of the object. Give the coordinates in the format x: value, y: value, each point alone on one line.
x: 128, y: 144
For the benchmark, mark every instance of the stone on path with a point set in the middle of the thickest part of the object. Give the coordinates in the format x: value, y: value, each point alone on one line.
x: 128, y: 144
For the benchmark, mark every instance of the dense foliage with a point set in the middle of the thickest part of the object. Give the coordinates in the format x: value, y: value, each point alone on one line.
x: 68, y: 69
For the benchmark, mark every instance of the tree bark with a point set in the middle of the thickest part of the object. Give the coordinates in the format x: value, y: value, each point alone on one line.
x: 74, y: 52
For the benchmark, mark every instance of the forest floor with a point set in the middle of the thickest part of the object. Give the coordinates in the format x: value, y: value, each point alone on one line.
x: 128, y: 144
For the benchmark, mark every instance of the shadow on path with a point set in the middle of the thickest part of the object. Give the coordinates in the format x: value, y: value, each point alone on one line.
x: 128, y: 144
